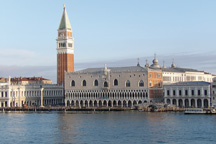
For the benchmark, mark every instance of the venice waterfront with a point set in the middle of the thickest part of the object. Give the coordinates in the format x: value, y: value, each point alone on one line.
x: 106, y: 127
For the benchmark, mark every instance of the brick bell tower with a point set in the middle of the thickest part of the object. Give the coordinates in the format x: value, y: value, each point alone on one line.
x: 65, y: 48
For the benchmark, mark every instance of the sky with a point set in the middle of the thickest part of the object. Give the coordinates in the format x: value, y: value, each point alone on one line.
x: 109, y: 31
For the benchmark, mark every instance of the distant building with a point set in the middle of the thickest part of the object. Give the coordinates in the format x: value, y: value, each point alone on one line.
x: 213, y: 93
x: 31, y: 95
x: 65, y: 48
x: 188, y: 94
x: 175, y: 74
x: 27, y: 80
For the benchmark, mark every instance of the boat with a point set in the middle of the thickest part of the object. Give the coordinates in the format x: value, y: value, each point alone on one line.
x: 194, y: 111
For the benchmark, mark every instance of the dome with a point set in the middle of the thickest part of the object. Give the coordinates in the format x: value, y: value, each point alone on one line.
x: 155, y: 63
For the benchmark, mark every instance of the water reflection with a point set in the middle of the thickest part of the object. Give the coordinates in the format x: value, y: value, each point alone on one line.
x: 68, y: 123
x: 106, y: 127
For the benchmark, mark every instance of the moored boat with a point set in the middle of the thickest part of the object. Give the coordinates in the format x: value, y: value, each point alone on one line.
x: 195, y: 111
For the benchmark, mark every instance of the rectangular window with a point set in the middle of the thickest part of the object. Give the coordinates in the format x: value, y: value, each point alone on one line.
x: 186, y: 92
x: 205, y: 92
x: 166, y: 78
x: 188, y: 78
x: 70, y: 45
x: 180, y: 92
x: 198, y: 92
x: 174, y: 92
x: 159, y: 75
x: 193, y: 78
x: 64, y: 45
x: 192, y: 92
x: 168, y: 92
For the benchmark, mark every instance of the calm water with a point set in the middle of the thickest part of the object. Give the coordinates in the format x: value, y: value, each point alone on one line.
x: 106, y: 127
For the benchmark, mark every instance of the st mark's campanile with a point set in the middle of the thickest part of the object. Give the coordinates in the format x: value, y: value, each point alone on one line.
x: 65, y: 48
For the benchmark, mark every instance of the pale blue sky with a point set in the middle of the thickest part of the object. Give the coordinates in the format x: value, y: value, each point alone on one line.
x: 108, y: 30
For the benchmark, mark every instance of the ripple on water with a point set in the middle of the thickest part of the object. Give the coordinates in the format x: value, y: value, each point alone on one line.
x: 106, y: 127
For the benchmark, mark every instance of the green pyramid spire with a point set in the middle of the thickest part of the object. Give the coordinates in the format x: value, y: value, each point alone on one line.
x: 65, y: 23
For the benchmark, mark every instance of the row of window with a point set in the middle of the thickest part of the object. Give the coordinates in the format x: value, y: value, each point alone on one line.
x: 155, y: 75
x: 111, y: 76
x: 36, y: 93
x: 3, y: 94
x: 192, y: 92
x: 105, y: 84
x: 108, y: 97
x: 64, y: 45
x: 155, y: 83
x: 108, y: 94
x: 186, y: 78
x: 100, y: 91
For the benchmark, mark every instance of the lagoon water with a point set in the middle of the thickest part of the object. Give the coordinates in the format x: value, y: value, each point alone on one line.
x: 131, y: 127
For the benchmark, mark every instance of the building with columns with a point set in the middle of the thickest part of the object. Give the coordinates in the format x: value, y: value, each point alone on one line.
x: 188, y: 94
x: 31, y: 95
x: 65, y: 48
x: 175, y: 74
x: 213, y: 93
x: 111, y: 87
x: 26, y: 80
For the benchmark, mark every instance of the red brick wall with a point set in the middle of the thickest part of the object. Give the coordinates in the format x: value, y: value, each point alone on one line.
x: 65, y: 62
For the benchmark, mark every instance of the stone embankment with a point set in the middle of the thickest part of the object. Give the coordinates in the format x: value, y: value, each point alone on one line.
x: 62, y: 108
x: 144, y: 107
x: 158, y: 107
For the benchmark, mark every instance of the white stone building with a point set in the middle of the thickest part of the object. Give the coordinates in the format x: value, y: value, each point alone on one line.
x: 213, y: 93
x: 107, y: 87
x: 176, y: 74
x: 188, y: 94
x: 31, y: 95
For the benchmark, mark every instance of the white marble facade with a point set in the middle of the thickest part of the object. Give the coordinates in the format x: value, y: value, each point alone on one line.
x: 107, y: 87
x: 188, y: 94
x: 18, y: 95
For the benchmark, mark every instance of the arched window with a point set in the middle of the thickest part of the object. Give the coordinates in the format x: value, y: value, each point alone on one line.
x: 96, y: 83
x: 141, y: 83
x: 115, y: 82
x: 73, y: 83
x: 84, y: 83
x: 127, y: 83
x: 105, y: 84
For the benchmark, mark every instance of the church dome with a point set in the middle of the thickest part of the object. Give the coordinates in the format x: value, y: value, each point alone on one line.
x: 155, y: 63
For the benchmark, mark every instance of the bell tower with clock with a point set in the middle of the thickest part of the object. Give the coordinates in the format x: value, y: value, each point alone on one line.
x: 65, y: 48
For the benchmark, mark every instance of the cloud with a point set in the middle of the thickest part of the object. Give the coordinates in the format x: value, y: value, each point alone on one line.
x: 22, y: 57
x: 17, y: 56
x: 195, y: 60
x: 29, y: 71
x: 18, y: 53
x: 205, y: 61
